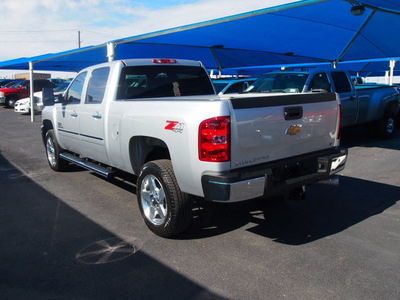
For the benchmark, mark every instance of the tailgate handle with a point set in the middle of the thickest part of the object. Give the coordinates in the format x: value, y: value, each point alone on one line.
x: 293, y: 113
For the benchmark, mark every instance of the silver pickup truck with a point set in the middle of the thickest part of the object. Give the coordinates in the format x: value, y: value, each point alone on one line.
x: 373, y: 105
x: 161, y: 120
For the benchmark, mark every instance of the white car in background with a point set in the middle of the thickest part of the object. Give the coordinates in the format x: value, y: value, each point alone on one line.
x: 24, y: 105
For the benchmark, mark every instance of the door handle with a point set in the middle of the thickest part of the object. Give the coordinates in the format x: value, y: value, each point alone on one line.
x: 97, y: 116
x: 74, y: 114
x: 293, y: 113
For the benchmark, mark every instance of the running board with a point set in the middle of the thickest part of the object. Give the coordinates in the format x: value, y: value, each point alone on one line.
x: 103, y: 171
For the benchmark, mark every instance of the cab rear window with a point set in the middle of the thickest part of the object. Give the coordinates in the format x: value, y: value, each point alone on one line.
x: 341, y: 82
x: 163, y: 81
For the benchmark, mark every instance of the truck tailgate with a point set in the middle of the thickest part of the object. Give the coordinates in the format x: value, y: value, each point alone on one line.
x: 273, y: 127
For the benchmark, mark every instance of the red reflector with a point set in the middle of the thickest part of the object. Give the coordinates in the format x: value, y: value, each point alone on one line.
x: 214, y: 139
x: 165, y: 61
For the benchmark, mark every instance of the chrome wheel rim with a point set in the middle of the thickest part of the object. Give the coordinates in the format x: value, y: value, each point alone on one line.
x: 51, y: 153
x: 11, y: 103
x: 390, y: 125
x: 153, y: 200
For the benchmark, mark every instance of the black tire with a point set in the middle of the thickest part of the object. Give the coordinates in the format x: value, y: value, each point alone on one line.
x: 385, y: 127
x: 10, y: 101
x: 166, y: 210
x: 53, y: 151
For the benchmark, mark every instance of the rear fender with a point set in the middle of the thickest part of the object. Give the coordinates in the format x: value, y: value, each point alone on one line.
x: 143, y: 149
x: 389, y: 103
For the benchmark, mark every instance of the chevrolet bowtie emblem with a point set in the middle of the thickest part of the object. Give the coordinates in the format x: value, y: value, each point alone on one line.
x: 293, y: 129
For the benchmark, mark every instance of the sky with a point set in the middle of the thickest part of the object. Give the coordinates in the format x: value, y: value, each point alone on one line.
x: 36, y: 27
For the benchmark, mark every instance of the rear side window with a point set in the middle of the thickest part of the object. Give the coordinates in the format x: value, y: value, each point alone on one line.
x: 163, y: 81
x: 97, y: 85
x: 341, y: 82
x: 74, y: 93
x: 320, y: 83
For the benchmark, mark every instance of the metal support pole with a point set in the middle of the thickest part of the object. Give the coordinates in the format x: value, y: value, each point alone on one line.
x: 110, y: 52
x: 32, y: 90
x: 216, y: 58
x: 392, y: 65
x: 356, y: 35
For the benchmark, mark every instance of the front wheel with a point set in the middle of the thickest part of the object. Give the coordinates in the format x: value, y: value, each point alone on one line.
x: 166, y: 210
x: 10, y: 102
x: 53, y: 151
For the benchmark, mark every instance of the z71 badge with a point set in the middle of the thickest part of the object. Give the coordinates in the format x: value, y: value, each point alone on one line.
x: 293, y: 129
x: 175, y: 126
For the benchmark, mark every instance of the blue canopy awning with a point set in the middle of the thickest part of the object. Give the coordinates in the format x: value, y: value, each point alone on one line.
x: 303, y: 32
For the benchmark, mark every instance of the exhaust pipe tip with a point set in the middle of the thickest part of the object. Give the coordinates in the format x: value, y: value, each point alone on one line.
x: 334, y: 180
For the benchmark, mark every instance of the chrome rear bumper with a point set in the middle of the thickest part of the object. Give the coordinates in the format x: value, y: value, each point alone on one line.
x: 276, y: 178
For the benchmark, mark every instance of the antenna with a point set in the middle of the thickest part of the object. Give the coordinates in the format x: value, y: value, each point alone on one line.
x: 79, y: 39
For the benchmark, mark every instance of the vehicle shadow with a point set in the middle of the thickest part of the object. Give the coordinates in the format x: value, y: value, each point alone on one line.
x: 121, y: 179
x: 361, y: 137
x: 48, y: 250
x: 327, y: 210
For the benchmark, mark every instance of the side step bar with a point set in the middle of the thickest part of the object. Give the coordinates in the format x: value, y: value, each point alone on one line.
x: 103, y: 171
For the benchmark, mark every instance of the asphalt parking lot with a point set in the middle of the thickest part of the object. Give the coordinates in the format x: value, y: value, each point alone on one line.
x: 75, y: 235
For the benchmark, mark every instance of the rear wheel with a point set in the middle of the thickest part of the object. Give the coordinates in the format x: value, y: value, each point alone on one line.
x: 385, y: 127
x: 166, y: 210
x: 53, y: 151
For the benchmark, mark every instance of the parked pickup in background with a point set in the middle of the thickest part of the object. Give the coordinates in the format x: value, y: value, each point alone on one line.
x: 230, y: 86
x: 162, y: 121
x: 373, y: 105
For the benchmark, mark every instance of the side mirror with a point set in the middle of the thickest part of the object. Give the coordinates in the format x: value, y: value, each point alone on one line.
x: 48, y: 97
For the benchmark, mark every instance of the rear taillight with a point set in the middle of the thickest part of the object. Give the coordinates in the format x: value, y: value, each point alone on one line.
x: 214, y: 139
x: 339, y: 132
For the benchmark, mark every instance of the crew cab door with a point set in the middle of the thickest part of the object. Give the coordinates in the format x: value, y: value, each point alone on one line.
x: 68, y: 115
x: 348, y: 97
x: 92, y: 116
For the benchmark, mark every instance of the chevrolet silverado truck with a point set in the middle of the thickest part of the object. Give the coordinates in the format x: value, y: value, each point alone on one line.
x: 161, y: 120
x: 374, y: 105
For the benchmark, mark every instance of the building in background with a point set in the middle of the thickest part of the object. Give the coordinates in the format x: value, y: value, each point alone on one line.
x: 26, y: 76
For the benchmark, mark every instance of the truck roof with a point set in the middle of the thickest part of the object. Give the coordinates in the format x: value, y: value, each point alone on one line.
x: 169, y: 61
x: 148, y: 61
